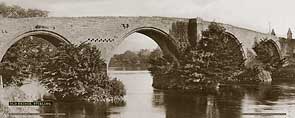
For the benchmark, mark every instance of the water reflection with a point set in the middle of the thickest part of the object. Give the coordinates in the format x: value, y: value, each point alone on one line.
x: 78, y: 110
x: 230, y: 101
x: 224, y: 104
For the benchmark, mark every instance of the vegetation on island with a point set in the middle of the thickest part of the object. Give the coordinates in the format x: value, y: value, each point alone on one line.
x: 77, y: 71
x: 24, y: 59
x: 265, y: 54
x: 69, y: 71
x: 267, y: 63
x: 216, y: 59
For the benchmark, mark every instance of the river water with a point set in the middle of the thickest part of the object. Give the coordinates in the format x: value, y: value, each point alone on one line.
x: 143, y: 101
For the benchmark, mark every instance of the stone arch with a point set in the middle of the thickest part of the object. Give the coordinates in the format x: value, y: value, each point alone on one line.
x: 50, y: 36
x: 266, y: 51
x: 237, y: 42
x: 163, y: 39
x: 275, y: 48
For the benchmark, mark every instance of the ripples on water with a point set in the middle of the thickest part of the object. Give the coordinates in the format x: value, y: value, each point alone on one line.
x: 142, y: 101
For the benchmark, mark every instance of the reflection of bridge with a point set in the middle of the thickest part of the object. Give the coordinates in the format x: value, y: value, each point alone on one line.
x: 171, y: 34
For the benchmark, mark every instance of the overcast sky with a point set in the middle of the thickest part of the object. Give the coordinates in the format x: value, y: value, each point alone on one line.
x: 251, y: 14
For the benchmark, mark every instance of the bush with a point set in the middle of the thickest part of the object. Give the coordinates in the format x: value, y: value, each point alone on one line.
x: 163, y: 72
x: 216, y: 58
x: 285, y: 73
x: 78, y: 72
x: 266, y: 54
x: 24, y: 59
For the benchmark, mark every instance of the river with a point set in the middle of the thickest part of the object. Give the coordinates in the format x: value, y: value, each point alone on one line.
x: 143, y: 101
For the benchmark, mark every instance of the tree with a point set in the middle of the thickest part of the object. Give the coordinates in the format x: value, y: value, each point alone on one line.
x: 23, y: 60
x: 135, y: 60
x: 15, y: 11
x: 156, y: 53
x: 77, y: 71
x: 216, y: 58
x: 267, y: 55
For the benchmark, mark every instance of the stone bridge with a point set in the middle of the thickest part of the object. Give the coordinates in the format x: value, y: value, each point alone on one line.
x: 171, y: 34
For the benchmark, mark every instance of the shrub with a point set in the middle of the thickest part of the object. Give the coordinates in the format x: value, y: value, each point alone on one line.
x: 217, y: 58
x: 77, y: 71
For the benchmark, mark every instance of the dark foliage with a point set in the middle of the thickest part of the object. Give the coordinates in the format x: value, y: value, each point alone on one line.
x: 24, y: 59
x: 135, y: 60
x: 217, y: 58
x: 267, y: 54
x: 15, y: 11
x: 77, y: 71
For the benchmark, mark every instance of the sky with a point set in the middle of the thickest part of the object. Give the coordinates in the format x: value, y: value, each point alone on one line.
x: 259, y: 15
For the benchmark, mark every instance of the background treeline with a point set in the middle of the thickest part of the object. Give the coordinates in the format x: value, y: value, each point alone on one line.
x: 131, y: 60
x: 15, y: 11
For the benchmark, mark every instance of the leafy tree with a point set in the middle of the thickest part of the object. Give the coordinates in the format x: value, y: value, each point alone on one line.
x: 217, y: 58
x: 163, y: 72
x: 15, y: 11
x: 157, y: 53
x: 267, y: 55
x: 23, y: 60
x: 77, y: 71
x: 135, y: 60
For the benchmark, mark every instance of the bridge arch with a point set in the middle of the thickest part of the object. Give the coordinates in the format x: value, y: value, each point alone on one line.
x: 266, y: 51
x: 52, y: 37
x: 237, y: 43
x: 163, y: 39
x: 275, y: 49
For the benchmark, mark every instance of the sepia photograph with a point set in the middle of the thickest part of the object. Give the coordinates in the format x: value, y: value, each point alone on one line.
x: 147, y: 59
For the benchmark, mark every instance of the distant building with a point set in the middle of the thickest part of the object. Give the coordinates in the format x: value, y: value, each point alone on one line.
x: 288, y: 45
